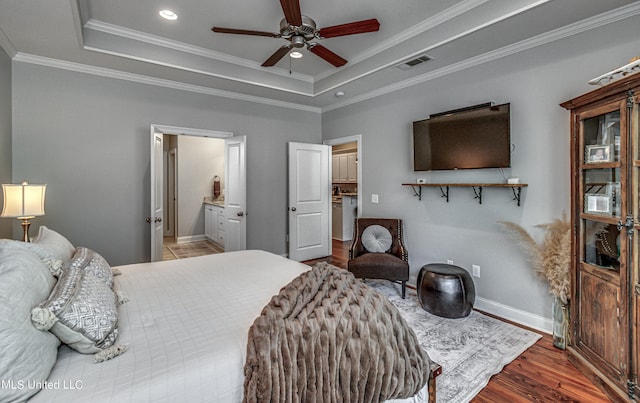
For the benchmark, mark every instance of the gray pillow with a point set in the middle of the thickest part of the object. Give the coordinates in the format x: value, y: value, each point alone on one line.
x: 50, y: 244
x: 376, y: 239
x: 81, y: 311
x: 27, y: 353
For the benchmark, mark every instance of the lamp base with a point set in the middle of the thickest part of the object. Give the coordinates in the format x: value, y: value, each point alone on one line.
x: 25, y: 227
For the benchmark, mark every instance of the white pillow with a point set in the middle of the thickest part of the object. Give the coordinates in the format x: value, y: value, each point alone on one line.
x: 54, y: 245
x: 376, y: 239
x: 27, y: 353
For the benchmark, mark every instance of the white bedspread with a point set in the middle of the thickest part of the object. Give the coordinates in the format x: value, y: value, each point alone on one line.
x: 186, y: 326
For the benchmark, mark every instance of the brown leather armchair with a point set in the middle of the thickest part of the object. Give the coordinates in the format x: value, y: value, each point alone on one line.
x: 391, y: 264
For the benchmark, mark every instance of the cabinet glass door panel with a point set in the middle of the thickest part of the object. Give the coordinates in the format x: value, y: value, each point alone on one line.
x: 602, y: 191
x: 601, y: 136
x: 601, y: 245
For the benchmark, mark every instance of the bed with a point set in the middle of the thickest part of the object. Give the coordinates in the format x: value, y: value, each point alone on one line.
x: 185, y: 326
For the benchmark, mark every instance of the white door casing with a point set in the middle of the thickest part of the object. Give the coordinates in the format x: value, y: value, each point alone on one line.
x: 155, y: 218
x: 358, y: 140
x: 309, y: 201
x: 235, y: 184
x: 235, y: 194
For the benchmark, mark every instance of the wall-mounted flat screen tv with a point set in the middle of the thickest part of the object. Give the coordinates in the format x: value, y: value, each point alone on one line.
x: 468, y: 138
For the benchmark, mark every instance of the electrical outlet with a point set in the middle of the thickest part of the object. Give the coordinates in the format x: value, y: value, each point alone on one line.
x: 374, y: 198
x: 476, y: 270
x: 449, y: 261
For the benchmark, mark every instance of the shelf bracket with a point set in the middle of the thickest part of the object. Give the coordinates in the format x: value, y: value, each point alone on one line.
x: 478, y: 193
x: 516, y: 195
x: 445, y: 193
x: 417, y: 193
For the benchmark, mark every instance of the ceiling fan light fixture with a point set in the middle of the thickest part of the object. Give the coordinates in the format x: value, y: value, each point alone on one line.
x: 297, y: 41
x: 295, y: 55
x: 300, y: 30
x: 168, y: 15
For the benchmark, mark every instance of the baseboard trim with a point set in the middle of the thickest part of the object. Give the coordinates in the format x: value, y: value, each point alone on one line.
x: 519, y: 316
x: 190, y: 238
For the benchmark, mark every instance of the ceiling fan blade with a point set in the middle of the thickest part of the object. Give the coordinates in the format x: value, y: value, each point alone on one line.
x: 275, y: 58
x: 358, y: 27
x: 327, y: 55
x: 244, y: 32
x: 292, y: 14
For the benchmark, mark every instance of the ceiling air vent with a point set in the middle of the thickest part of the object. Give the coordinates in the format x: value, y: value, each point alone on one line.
x: 408, y: 64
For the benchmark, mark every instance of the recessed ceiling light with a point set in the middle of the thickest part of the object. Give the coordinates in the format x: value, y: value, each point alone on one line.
x: 339, y: 94
x: 168, y: 15
x: 295, y: 55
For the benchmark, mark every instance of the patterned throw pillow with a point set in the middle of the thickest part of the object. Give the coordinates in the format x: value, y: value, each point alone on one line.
x: 92, y: 262
x: 81, y: 310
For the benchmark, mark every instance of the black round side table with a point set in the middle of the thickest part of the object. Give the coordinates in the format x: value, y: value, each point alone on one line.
x: 446, y: 290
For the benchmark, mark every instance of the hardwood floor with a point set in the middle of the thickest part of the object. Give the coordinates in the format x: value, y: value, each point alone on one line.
x: 540, y: 374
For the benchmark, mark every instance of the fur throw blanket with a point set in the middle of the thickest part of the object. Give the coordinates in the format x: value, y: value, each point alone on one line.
x: 327, y: 337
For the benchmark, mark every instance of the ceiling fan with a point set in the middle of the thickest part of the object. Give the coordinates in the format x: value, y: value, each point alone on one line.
x: 299, y: 30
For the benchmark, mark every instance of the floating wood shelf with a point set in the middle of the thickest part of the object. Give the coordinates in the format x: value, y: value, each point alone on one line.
x: 477, y: 189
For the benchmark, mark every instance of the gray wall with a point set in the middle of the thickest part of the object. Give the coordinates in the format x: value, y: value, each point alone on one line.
x: 5, y: 135
x: 199, y: 159
x: 534, y: 82
x: 87, y: 138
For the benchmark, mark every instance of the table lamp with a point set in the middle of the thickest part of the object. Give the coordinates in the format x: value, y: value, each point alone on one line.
x: 24, y: 202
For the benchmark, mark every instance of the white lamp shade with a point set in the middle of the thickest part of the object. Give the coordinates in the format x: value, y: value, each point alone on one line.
x: 23, y: 200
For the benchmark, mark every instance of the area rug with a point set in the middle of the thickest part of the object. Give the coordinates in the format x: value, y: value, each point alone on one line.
x: 470, y: 350
x: 190, y: 249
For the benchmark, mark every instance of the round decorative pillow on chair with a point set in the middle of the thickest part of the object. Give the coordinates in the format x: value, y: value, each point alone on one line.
x: 376, y: 239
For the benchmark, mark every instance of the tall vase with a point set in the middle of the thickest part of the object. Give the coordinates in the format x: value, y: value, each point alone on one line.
x: 560, y: 324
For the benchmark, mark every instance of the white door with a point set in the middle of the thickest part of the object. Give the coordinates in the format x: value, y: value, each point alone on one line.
x: 235, y: 194
x: 155, y: 218
x: 309, y: 201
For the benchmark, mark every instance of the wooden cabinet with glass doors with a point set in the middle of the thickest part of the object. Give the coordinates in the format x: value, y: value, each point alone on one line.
x: 605, y: 169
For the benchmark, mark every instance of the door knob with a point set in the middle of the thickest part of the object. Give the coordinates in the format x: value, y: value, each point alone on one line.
x: 240, y: 213
x: 157, y: 219
x: 149, y: 220
x: 293, y: 209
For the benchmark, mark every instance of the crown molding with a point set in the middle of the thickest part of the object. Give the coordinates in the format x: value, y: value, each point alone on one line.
x: 539, y: 40
x: 76, y: 11
x: 425, y: 25
x: 111, y: 29
x: 6, y: 44
x: 142, y: 79
x: 433, y: 46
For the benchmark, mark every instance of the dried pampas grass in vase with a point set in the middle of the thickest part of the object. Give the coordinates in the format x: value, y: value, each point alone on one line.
x: 551, y: 260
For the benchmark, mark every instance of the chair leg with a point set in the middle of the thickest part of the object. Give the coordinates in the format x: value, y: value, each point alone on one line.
x: 404, y: 288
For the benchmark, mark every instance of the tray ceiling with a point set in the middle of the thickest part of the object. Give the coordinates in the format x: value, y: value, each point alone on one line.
x: 128, y: 39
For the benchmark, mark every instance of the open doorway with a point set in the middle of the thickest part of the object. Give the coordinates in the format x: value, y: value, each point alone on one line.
x: 193, y: 193
x: 233, y: 218
x: 346, y: 175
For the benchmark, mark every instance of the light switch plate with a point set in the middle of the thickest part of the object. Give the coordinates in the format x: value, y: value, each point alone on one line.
x: 374, y: 198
